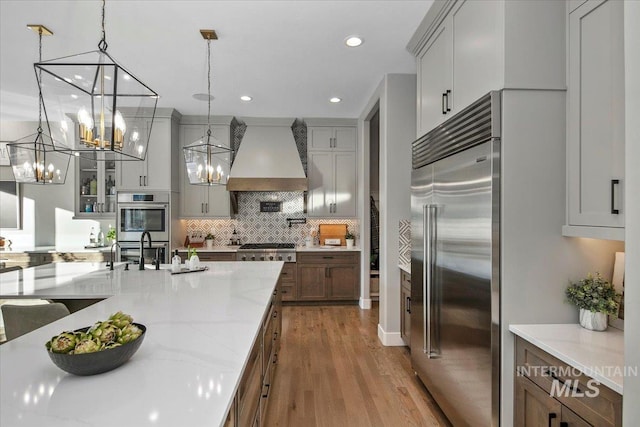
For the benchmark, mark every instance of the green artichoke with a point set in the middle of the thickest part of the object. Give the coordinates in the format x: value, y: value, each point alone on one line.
x: 129, y: 333
x: 121, y: 319
x: 104, y: 331
x: 111, y: 345
x: 63, y: 343
x: 88, y: 346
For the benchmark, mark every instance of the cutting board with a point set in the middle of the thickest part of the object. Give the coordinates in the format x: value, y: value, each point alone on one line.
x: 332, y: 231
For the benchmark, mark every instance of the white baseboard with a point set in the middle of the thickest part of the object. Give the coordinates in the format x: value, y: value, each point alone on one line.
x: 390, y: 339
x: 365, y: 303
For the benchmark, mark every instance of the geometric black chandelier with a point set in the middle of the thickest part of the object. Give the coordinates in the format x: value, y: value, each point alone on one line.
x: 207, y: 162
x: 33, y: 158
x: 94, y: 104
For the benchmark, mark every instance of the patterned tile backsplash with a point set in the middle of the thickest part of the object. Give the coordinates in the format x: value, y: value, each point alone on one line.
x: 404, y: 257
x: 254, y: 226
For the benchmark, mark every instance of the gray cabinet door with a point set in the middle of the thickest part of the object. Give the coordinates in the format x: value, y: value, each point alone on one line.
x: 321, y: 194
x: 192, y: 197
x: 596, y: 115
x: 345, y: 184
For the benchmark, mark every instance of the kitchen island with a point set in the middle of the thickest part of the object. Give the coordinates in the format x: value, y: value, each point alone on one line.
x: 202, y: 329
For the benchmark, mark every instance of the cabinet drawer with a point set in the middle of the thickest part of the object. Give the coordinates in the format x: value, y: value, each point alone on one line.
x: 328, y: 258
x: 602, y: 409
x: 288, y: 273
x: 217, y: 256
x: 287, y: 292
x: 405, y: 280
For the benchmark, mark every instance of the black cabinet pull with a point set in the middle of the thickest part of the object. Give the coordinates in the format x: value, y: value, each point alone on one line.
x: 564, y: 424
x: 408, y: 305
x: 447, y: 96
x: 327, y: 257
x: 614, y: 182
x: 266, y: 394
x: 552, y: 416
x: 444, y: 96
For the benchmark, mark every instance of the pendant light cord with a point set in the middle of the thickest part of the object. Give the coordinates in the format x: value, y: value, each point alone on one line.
x: 103, y: 42
x: 40, y: 86
x: 208, y: 89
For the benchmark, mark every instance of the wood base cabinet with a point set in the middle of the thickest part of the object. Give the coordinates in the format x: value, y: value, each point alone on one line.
x: 549, y: 392
x: 328, y: 276
x: 405, y: 307
x: 252, y: 398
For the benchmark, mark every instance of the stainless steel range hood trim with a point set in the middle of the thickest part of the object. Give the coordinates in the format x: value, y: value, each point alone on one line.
x: 267, y: 184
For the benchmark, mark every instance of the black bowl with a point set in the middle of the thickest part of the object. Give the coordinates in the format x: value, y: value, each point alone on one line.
x: 100, y: 361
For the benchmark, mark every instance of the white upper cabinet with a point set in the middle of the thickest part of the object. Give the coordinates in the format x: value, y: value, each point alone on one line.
x: 596, y: 121
x: 332, y: 184
x: 466, y: 48
x: 339, y: 138
x: 202, y: 201
x: 158, y: 171
x: 332, y: 171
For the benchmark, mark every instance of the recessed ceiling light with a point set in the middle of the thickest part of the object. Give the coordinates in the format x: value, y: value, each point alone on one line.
x: 353, y: 41
x: 202, y: 96
x: 246, y: 98
x: 335, y: 100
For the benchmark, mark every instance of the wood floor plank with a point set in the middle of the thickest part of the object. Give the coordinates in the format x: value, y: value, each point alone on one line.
x: 333, y: 371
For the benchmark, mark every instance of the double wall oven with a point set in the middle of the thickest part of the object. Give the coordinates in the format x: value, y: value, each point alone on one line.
x: 140, y: 212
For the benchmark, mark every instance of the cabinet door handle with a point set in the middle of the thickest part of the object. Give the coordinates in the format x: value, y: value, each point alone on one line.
x: 140, y: 181
x: 614, y: 182
x: 145, y: 181
x: 102, y: 207
x: 552, y: 416
x: 408, y: 305
x: 327, y: 257
x: 448, y: 96
x: 206, y: 207
x: 201, y: 207
x: 444, y: 108
x: 266, y: 393
x: 564, y: 424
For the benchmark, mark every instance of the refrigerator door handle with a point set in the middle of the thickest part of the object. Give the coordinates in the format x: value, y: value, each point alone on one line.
x: 429, y: 236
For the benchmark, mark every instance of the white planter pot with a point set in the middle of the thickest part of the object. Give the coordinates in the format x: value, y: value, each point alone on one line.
x: 209, y: 243
x: 593, y: 321
x: 350, y: 243
x: 194, y: 262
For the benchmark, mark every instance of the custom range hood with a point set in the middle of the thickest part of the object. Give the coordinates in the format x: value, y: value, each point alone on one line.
x: 267, y: 160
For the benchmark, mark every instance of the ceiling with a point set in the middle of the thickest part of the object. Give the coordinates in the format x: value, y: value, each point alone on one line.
x: 289, y: 56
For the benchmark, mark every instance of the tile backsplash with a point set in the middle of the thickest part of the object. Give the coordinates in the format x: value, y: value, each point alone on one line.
x: 404, y: 256
x: 254, y: 226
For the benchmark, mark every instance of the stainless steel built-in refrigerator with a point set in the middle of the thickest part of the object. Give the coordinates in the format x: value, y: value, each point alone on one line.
x: 455, y: 263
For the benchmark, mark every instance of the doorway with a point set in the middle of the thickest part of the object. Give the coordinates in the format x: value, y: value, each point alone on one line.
x: 374, y: 205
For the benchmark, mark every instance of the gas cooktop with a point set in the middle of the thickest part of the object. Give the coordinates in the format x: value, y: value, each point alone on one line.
x: 258, y: 246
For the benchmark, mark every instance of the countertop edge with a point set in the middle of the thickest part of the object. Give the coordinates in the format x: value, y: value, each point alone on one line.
x: 405, y: 267
x: 541, y: 343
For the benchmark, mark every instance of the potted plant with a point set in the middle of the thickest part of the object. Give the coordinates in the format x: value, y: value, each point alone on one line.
x: 596, y: 298
x: 208, y: 241
x: 350, y: 239
x: 111, y: 235
x: 194, y: 259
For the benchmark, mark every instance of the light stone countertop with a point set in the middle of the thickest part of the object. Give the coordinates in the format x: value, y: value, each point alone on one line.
x: 327, y: 249
x: 213, y: 249
x: 200, y: 328
x: 599, y: 355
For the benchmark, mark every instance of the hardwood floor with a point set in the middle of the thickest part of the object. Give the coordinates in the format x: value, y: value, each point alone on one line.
x: 333, y: 371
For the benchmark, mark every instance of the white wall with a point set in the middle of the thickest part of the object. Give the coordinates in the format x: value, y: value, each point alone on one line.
x: 46, y: 209
x: 396, y: 99
x: 631, y: 409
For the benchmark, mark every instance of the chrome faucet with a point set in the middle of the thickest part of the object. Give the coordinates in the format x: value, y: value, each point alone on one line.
x: 144, y: 233
x: 112, y: 254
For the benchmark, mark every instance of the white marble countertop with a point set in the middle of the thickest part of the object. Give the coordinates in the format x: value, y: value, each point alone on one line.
x: 327, y: 248
x: 200, y: 328
x: 599, y: 355
x: 213, y: 249
x: 298, y: 249
x: 405, y: 267
x: 51, y: 249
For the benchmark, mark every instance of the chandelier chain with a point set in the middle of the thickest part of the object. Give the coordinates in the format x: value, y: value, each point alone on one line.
x: 103, y: 42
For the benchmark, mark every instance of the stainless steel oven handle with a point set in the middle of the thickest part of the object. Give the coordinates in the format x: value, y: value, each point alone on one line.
x: 142, y: 206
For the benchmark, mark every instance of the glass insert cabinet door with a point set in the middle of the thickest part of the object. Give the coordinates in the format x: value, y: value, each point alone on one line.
x: 95, y: 186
